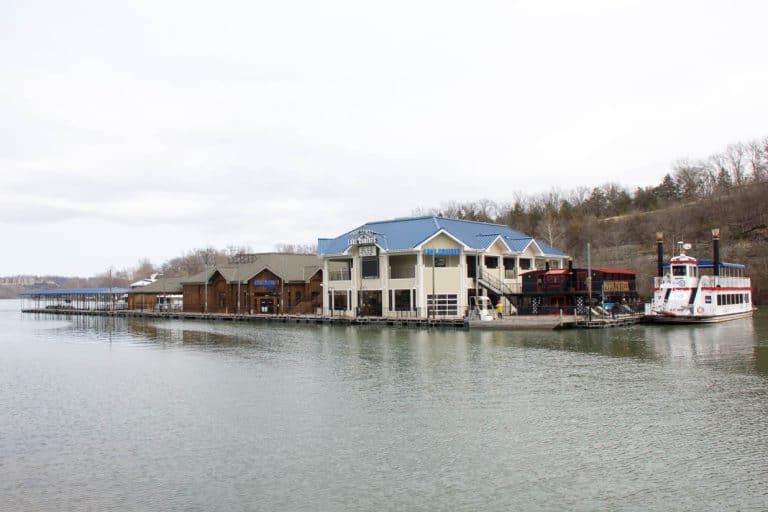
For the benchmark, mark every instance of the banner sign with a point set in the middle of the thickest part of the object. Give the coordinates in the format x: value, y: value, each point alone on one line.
x: 442, y: 252
x: 615, y: 286
x: 265, y: 283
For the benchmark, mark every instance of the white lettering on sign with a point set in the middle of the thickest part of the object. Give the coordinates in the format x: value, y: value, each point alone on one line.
x: 367, y: 251
x: 362, y: 237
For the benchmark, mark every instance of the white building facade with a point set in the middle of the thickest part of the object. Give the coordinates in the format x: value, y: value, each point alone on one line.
x: 427, y: 267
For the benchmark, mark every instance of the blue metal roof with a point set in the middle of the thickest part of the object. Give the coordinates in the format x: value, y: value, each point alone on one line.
x: 408, y: 233
x: 77, y: 291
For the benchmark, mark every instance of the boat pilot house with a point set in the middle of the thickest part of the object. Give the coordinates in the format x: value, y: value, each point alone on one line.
x: 426, y: 267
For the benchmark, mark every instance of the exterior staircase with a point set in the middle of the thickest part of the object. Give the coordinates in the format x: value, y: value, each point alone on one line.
x: 495, y: 285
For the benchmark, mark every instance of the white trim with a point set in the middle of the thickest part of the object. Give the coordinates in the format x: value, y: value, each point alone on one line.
x: 441, y: 231
x: 499, y: 237
x: 346, y: 251
x: 533, y: 241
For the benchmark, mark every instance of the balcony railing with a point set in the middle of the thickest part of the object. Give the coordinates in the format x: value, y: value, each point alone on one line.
x: 706, y: 281
x: 402, y: 273
x: 339, y: 275
x: 510, y: 274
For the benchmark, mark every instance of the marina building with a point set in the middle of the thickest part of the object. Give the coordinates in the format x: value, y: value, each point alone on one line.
x: 427, y: 266
x: 267, y: 283
x: 159, y: 293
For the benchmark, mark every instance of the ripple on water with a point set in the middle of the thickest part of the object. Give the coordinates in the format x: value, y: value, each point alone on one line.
x: 195, y: 416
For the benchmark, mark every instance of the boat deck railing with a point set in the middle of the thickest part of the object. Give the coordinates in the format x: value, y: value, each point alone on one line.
x: 706, y: 281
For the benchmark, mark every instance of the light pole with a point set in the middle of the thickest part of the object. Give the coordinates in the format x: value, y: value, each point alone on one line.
x: 589, y: 282
x: 206, y: 260
x: 434, y: 298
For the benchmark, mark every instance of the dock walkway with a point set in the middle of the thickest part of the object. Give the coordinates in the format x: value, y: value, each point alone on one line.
x: 605, y: 322
x: 521, y: 322
x: 285, y: 319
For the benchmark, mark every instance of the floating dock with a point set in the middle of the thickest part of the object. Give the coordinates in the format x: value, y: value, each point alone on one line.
x: 283, y: 319
x: 521, y: 322
x: 606, y: 322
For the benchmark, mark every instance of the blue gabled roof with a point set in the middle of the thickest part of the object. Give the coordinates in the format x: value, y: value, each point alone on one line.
x: 408, y: 233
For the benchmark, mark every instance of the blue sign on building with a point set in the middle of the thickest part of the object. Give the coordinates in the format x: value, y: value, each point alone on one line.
x: 441, y: 252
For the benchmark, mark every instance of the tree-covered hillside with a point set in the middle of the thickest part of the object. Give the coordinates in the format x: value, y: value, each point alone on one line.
x: 727, y: 190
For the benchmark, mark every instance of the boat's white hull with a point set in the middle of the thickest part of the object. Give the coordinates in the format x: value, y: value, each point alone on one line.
x: 697, y: 319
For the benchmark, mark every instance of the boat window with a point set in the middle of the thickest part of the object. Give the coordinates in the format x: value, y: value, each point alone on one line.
x: 693, y: 271
x: 678, y: 270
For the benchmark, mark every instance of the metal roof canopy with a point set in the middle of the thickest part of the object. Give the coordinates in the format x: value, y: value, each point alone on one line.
x: 77, y: 291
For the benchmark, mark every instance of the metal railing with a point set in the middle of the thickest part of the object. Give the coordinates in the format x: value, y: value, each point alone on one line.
x: 496, y: 285
x: 339, y: 275
x: 706, y: 281
x: 402, y: 272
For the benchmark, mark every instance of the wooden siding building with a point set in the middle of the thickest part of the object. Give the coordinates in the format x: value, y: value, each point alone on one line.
x: 270, y: 283
x: 164, y: 294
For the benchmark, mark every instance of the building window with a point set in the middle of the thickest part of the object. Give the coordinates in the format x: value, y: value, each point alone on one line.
x: 370, y: 268
x: 402, y: 300
x: 442, y: 305
x: 491, y: 262
x: 340, y: 300
x: 471, y: 262
x: 525, y: 264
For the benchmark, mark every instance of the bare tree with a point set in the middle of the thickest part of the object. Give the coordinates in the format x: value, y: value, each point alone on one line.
x: 734, y: 158
x: 143, y: 269
x: 308, y: 248
x: 758, y: 159
x: 690, y: 178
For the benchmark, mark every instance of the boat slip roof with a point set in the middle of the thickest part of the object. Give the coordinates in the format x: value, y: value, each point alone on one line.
x: 77, y: 291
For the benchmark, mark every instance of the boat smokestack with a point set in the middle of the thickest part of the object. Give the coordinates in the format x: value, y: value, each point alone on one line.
x: 716, y: 251
x: 660, y: 254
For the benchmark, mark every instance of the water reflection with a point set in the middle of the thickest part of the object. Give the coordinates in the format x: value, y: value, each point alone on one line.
x: 118, y: 414
x: 739, y: 345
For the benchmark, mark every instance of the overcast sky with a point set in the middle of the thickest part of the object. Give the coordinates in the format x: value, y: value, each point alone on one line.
x: 145, y: 129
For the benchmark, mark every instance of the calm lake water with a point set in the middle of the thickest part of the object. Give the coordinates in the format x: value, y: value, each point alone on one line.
x: 111, y: 414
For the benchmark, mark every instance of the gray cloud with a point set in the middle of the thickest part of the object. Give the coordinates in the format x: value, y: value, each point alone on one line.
x: 168, y: 125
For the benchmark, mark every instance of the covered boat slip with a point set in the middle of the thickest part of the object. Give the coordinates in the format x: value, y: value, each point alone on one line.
x: 78, y: 299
